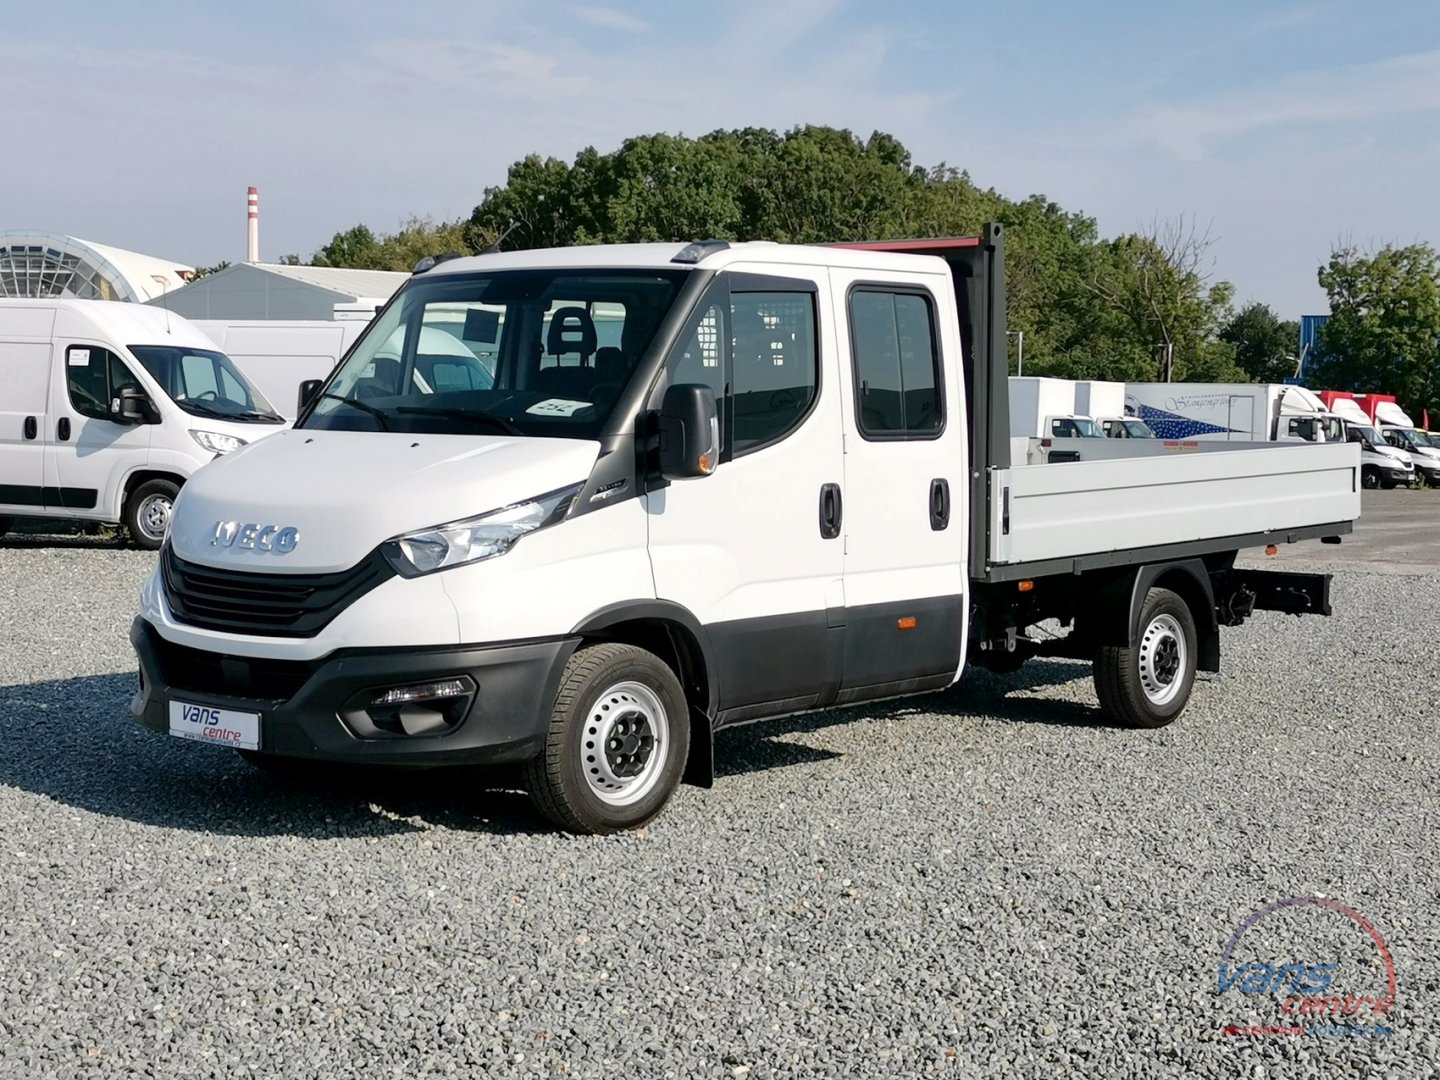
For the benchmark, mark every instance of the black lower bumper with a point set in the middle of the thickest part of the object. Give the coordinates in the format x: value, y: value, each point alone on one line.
x: 310, y: 709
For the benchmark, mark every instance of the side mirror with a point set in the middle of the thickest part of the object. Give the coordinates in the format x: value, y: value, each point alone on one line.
x: 308, y: 391
x: 132, y: 406
x: 689, y: 432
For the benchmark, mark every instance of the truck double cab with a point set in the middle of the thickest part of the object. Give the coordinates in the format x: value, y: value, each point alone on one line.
x: 784, y: 485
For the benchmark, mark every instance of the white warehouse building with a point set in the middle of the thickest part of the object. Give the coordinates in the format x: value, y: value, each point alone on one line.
x: 277, y: 291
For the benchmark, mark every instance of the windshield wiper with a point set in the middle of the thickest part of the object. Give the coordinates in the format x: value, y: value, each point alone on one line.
x: 453, y: 413
x: 363, y: 406
x: 205, y: 408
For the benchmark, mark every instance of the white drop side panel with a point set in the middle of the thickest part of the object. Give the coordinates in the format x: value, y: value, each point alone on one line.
x: 1043, y: 512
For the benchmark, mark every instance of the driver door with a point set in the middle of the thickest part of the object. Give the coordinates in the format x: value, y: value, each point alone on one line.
x: 90, y: 449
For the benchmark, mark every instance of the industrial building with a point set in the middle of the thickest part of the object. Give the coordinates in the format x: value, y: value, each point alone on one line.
x: 277, y: 291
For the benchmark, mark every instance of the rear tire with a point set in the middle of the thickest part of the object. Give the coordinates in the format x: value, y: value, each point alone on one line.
x: 617, y: 742
x: 1147, y: 683
x: 147, y: 513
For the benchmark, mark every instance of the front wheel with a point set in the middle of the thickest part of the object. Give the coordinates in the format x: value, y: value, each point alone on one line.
x: 617, y: 741
x: 1147, y: 683
x: 147, y: 513
x: 1369, y: 477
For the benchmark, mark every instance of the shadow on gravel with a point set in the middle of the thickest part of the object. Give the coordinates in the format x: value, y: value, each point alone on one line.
x: 980, y: 693
x: 73, y: 741
x: 45, y: 533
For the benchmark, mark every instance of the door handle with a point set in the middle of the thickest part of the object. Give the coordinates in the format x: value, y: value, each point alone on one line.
x: 831, y: 511
x: 32, y: 428
x: 62, y: 429
x: 939, y: 503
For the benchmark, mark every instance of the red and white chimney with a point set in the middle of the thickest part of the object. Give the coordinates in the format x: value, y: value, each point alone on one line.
x: 252, y: 249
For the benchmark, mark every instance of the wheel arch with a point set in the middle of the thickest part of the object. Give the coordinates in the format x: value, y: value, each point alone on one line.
x: 673, y: 634
x: 140, y: 476
x: 1120, y: 600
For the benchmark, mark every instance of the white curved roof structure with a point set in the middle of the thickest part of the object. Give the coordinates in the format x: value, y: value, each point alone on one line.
x: 34, y: 263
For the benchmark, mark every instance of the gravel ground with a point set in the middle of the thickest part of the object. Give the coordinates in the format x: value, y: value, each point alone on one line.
x: 987, y: 882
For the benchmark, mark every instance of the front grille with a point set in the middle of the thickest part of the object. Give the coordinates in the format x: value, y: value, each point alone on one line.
x: 271, y: 605
x: 204, y: 672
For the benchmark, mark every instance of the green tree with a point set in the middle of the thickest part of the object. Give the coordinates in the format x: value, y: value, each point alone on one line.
x: 1264, y: 344
x: 205, y: 271
x: 359, y: 248
x: 1383, y: 334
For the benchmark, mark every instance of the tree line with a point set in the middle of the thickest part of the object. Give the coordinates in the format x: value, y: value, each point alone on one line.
x: 1089, y: 307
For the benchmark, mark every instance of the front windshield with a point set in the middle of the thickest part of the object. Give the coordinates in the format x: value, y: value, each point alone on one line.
x: 1139, y: 429
x: 1418, y: 437
x: 1367, y: 435
x: 517, y: 352
x: 205, y: 383
x: 1075, y: 427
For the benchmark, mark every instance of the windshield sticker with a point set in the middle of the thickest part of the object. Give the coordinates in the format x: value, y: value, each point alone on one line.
x: 79, y: 357
x: 557, y: 407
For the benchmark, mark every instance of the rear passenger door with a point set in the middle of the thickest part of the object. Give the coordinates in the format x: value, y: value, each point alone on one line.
x: 905, y: 471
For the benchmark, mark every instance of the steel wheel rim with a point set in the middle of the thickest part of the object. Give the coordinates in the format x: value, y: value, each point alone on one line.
x: 153, y: 516
x: 1164, y: 659
x: 625, y: 744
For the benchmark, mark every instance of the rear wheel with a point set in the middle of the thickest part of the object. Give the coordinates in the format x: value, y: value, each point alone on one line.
x: 1147, y: 683
x: 617, y: 741
x: 147, y: 512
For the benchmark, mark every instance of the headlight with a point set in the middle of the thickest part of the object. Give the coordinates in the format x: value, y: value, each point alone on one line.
x: 216, y: 442
x: 476, y: 538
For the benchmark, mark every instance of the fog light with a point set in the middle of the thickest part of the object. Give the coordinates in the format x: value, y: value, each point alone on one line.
x: 404, y: 695
x: 423, y: 708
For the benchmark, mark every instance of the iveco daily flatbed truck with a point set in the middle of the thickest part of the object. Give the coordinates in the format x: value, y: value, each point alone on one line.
x: 710, y: 484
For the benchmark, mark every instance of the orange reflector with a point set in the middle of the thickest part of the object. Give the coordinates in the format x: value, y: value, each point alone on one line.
x: 907, y: 623
x: 1025, y: 586
x: 1271, y: 549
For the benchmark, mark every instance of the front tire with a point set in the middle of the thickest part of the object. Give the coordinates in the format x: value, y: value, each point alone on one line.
x: 147, y: 513
x: 617, y: 742
x: 1147, y: 683
x: 1369, y: 477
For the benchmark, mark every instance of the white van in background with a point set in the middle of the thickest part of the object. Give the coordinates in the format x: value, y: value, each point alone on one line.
x: 277, y: 356
x: 107, y: 408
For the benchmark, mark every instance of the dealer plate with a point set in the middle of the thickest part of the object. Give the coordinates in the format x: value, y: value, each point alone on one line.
x: 223, y: 727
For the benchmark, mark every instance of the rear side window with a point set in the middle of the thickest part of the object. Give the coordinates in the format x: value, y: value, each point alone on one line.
x: 94, y: 378
x: 897, y: 364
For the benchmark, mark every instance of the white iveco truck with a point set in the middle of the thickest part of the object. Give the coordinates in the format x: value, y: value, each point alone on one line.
x: 708, y: 484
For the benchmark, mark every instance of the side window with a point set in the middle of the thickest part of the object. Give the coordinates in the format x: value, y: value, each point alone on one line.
x: 897, y: 364
x: 775, y: 371
x: 700, y: 356
x: 94, y: 376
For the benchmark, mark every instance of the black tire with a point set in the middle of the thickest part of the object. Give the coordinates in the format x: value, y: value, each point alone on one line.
x: 612, y: 699
x: 1369, y: 477
x: 147, y: 513
x: 1147, y: 683
x: 5, y: 524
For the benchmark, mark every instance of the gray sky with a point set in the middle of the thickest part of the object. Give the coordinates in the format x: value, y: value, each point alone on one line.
x: 1283, y: 127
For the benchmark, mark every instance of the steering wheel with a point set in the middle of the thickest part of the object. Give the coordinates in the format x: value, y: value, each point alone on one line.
x: 206, y: 395
x: 783, y: 399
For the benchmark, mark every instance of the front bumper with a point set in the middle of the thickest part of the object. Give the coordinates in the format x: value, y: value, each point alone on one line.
x: 304, y: 705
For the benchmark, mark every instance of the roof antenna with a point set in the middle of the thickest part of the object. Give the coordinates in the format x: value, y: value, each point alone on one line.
x: 164, y: 284
x: 494, y: 249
